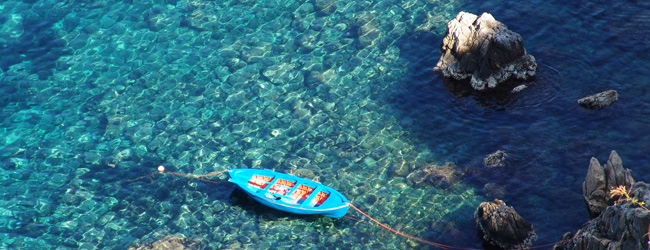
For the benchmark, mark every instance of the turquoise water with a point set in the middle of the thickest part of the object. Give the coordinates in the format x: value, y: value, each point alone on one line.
x: 97, y: 94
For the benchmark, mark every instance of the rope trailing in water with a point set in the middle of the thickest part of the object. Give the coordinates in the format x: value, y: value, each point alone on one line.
x: 402, y: 234
x: 161, y: 169
x: 357, y: 220
x: 150, y: 175
x: 438, y: 244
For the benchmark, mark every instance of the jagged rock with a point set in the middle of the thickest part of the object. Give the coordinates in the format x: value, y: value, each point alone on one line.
x: 443, y: 176
x: 485, y: 50
x: 501, y: 226
x: 600, y: 100
x: 601, y: 179
x: 495, y: 159
x: 621, y: 226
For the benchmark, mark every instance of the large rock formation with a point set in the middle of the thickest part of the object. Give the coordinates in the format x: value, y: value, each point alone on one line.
x: 601, y: 179
x: 485, y: 50
x: 617, y: 225
x: 501, y: 226
x: 621, y: 226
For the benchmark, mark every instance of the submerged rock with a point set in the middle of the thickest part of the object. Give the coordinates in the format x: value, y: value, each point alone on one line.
x: 600, y: 100
x: 170, y: 242
x: 501, y: 226
x: 325, y: 6
x: 601, y: 179
x: 494, y: 190
x: 484, y: 50
x: 443, y: 176
x: 495, y: 159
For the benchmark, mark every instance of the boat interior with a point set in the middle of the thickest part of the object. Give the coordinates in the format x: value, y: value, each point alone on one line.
x: 287, y: 190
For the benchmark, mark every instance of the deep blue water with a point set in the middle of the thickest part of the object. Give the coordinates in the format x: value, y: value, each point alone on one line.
x: 95, y: 95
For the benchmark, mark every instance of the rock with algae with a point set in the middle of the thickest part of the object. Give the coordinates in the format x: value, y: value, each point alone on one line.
x: 622, y: 226
x: 601, y: 179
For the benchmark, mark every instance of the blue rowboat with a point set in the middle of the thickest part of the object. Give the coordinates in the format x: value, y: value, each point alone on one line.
x: 290, y: 193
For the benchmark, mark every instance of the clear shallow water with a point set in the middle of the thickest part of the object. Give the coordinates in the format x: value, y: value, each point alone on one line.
x: 95, y: 96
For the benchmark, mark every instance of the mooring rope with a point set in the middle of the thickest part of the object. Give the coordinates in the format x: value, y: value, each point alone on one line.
x: 161, y: 169
x: 400, y: 233
x: 442, y: 245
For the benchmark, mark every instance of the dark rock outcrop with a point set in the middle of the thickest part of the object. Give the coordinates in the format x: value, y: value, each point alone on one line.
x: 622, y: 223
x: 621, y: 226
x: 600, y: 100
x: 501, y: 226
x: 484, y: 50
x: 443, y: 176
x: 601, y: 179
x: 495, y: 159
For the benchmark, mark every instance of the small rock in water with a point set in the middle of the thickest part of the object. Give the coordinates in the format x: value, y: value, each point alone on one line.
x: 501, y: 226
x: 495, y: 159
x: 600, y: 100
x: 519, y: 88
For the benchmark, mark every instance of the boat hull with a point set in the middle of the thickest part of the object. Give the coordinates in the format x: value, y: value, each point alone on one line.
x: 290, y: 193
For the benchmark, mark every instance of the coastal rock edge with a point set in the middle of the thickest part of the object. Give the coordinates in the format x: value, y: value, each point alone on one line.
x: 601, y: 179
x: 620, y: 225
